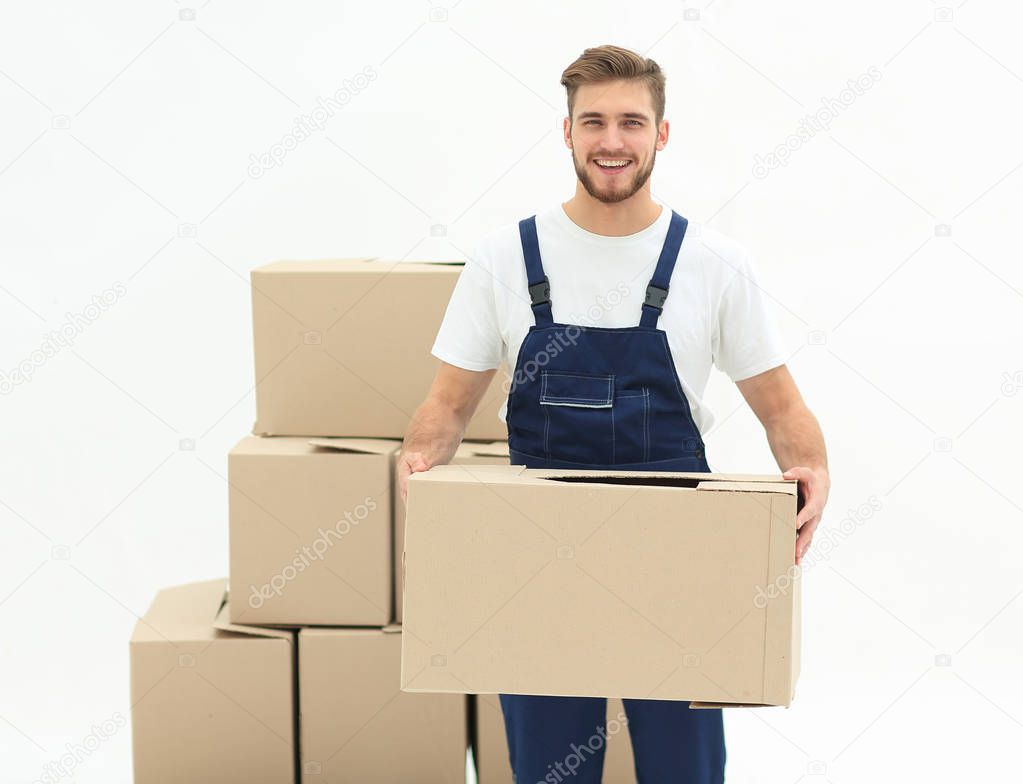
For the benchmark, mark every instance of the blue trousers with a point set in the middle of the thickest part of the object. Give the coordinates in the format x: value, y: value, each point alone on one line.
x: 562, y: 739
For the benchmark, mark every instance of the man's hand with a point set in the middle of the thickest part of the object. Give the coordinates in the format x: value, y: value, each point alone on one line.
x: 408, y: 464
x: 437, y: 426
x: 814, y: 486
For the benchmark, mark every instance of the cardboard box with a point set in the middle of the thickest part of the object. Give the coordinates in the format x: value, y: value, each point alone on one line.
x: 639, y: 584
x: 468, y: 453
x: 342, y: 347
x: 210, y: 704
x: 491, y: 747
x: 358, y: 726
x: 311, y: 531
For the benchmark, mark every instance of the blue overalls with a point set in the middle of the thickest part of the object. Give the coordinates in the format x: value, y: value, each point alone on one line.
x: 598, y: 398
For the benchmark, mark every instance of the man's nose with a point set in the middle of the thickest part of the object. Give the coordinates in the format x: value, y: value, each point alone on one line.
x: 613, y: 139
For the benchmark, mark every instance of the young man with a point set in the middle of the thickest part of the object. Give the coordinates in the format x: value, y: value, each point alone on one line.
x: 613, y: 309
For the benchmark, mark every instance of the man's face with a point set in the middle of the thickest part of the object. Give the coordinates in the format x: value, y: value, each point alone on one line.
x: 614, y: 138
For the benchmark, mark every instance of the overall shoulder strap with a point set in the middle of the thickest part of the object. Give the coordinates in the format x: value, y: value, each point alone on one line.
x: 539, y: 286
x: 657, y: 291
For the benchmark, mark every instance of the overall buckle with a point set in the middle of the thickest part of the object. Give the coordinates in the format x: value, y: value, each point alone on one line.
x: 540, y: 293
x: 655, y: 296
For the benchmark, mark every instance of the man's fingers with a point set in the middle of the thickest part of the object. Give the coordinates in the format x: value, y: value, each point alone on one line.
x: 416, y: 462
x: 810, y: 511
x: 409, y: 464
x: 806, y: 514
x: 805, y: 487
x: 802, y: 545
x: 805, y: 537
x: 413, y: 462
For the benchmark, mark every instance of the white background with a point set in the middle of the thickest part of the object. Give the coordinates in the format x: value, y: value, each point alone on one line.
x: 125, y: 159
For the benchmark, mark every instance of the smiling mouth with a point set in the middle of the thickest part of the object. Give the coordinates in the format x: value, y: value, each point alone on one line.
x: 612, y: 165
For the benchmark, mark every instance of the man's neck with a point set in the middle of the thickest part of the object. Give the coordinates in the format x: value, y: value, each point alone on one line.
x: 612, y: 220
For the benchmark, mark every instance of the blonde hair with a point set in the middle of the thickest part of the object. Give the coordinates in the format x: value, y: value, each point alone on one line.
x: 609, y: 63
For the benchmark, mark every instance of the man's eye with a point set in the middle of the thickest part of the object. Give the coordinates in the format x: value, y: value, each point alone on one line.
x: 635, y: 121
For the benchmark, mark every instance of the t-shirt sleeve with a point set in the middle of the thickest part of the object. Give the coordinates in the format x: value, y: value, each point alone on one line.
x: 747, y: 340
x: 469, y: 336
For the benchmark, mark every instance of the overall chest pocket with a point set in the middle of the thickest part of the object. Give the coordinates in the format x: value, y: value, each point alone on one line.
x: 586, y: 421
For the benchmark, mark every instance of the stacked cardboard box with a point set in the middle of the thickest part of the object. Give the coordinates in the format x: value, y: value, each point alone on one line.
x: 343, y: 347
x: 290, y: 667
x: 210, y: 702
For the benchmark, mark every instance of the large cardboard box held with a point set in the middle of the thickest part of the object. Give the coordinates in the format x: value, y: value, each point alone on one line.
x: 358, y: 726
x: 601, y: 583
x: 311, y: 530
x: 491, y: 747
x: 211, y: 701
x: 342, y: 347
x: 468, y: 453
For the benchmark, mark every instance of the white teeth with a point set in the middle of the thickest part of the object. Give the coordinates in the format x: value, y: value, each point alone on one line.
x: 611, y: 163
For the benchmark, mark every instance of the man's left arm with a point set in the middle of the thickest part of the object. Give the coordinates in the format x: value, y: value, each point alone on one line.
x: 796, y: 441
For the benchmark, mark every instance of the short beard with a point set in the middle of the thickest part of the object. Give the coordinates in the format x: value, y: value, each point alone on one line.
x: 614, y: 196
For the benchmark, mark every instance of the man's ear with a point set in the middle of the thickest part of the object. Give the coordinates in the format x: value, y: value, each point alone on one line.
x: 663, y: 131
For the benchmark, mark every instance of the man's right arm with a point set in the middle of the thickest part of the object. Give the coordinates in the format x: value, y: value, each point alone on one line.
x: 438, y: 425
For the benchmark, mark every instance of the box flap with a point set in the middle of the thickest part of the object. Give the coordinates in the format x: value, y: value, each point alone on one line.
x: 702, y: 476
x: 308, y: 633
x: 519, y: 474
x: 460, y: 263
x: 271, y: 445
x: 182, y: 612
x: 787, y: 486
x: 311, y: 265
x: 223, y: 622
x: 372, y: 446
x: 304, y: 445
x: 468, y: 472
x: 373, y: 264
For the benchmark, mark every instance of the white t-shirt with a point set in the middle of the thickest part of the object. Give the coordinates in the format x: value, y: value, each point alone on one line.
x: 715, y: 312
